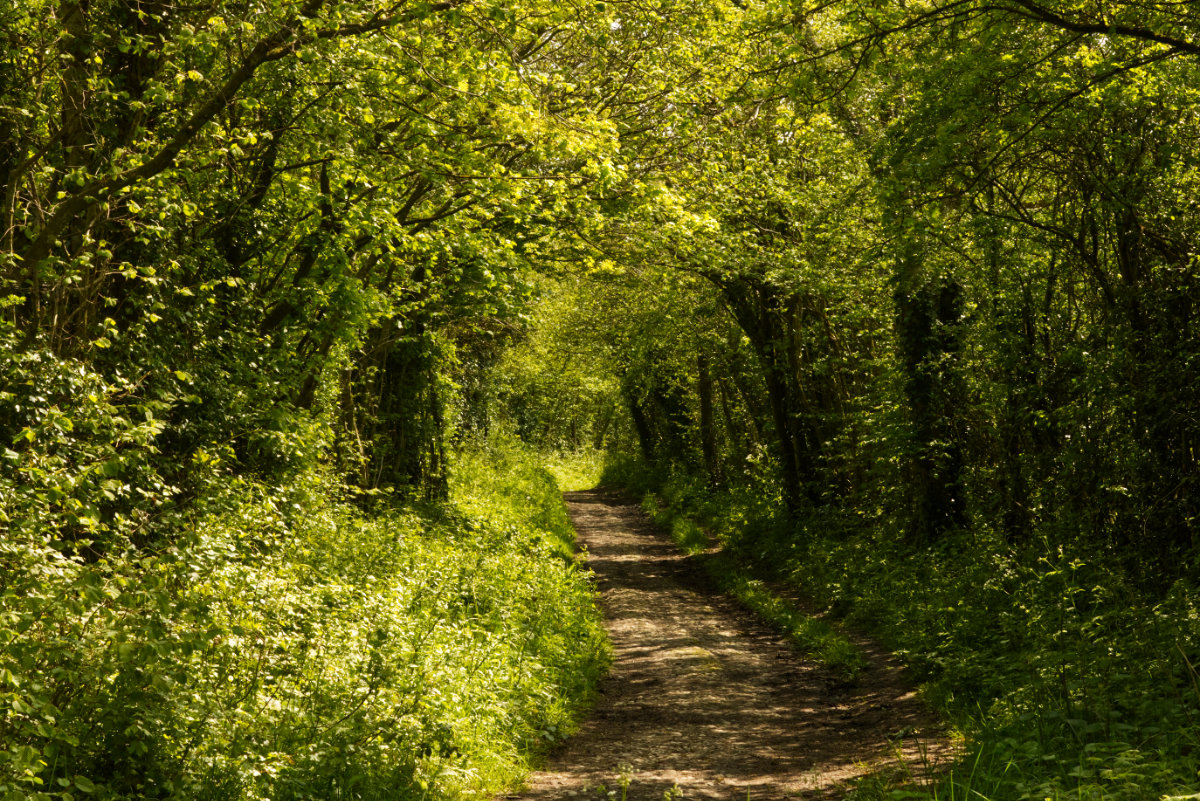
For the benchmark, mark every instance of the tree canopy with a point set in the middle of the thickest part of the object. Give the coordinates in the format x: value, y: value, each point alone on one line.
x: 926, y: 268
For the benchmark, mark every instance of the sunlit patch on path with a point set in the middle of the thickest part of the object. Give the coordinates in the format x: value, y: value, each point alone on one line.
x: 703, y: 697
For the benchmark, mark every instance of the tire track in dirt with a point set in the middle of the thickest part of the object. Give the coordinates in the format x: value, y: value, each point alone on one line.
x: 705, y: 697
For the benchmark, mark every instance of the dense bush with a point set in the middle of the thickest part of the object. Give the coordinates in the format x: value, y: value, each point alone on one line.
x: 288, y: 647
x: 1067, y: 681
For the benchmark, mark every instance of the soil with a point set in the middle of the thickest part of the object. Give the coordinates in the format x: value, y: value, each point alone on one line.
x: 704, y: 697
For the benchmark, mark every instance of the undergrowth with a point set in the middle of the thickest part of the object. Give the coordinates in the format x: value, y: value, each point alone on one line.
x: 575, y: 470
x: 289, y: 646
x: 1068, y: 682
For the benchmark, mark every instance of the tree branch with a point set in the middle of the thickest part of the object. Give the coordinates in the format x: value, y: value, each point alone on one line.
x: 285, y: 41
x: 1039, y: 13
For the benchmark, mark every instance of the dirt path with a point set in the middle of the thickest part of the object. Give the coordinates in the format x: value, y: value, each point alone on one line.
x: 704, y: 697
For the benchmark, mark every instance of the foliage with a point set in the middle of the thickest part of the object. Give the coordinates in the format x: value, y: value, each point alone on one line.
x: 287, y: 647
x: 1071, y: 675
x: 244, y: 246
x: 552, y: 387
x: 900, y: 297
x: 290, y: 207
x: 527, y: 492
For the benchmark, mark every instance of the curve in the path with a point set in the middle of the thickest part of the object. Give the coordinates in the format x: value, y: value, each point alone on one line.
x: 703, y: 697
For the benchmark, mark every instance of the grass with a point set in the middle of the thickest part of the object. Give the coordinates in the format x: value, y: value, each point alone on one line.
x: 575, y: 470
x: 290, y: 646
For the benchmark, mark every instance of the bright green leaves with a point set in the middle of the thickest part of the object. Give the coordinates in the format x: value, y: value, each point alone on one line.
x: 289, y: 644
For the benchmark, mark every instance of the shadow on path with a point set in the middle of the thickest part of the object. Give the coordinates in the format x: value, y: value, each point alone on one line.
x: 703, y: 696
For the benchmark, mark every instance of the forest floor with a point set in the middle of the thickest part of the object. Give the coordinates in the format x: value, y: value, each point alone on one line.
x: 704, y: 697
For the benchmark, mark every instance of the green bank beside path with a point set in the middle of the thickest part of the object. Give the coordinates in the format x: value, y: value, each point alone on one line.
x: 292, y: 646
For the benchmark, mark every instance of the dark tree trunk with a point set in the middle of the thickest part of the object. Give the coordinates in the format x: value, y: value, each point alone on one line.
x: 641, y: 426
x: 708, y: 433
x: 766, y: 320
x: 928, y: 327
x: 404, y: 439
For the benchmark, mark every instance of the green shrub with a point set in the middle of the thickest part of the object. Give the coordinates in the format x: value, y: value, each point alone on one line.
x: 290, y: 648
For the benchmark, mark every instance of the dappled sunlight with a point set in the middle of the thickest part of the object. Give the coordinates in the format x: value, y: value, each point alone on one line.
x: 704, y: 698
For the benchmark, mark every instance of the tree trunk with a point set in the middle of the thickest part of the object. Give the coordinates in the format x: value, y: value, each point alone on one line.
x: 765, y: 318
x: 708, y: 433
x: 928, y: 323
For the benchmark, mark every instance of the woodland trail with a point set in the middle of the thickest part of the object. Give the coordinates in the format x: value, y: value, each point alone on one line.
x: 705, y: 697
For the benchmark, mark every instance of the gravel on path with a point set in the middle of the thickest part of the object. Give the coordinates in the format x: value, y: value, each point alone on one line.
x: 705, y: 698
